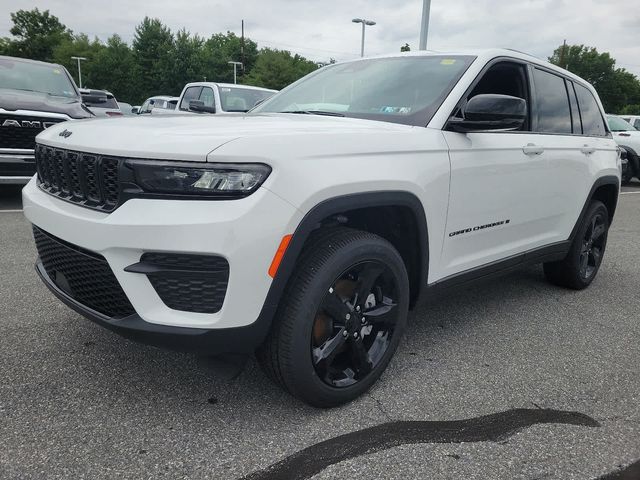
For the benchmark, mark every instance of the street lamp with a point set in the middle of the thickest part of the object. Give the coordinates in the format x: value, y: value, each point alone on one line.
x: 364, y: 24
x: 235, y: 66
x: 79, y: 70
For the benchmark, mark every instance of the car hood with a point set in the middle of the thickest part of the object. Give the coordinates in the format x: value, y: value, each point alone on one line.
x: 193, y: 137
x: 12, y: 100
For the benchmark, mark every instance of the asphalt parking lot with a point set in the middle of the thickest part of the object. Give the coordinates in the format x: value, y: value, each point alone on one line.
x: 548, y: 381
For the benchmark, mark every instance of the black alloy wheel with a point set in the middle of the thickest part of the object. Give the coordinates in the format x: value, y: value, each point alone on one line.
x: 593, y: 247
x: 355, y: 324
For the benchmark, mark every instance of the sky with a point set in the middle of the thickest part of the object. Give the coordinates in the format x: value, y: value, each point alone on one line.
x: 322, y: 29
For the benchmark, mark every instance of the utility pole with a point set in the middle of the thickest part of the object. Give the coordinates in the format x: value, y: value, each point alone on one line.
x: 235, y: 75
x: 79, y: 69
x: 242, y: 47
x: 364, y: 23
x: 424, y: 29
x: 563, y: 56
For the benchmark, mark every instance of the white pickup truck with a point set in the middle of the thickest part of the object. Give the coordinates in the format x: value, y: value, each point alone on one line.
x: 210, y: 97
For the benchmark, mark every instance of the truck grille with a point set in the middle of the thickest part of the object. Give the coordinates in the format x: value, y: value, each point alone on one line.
x: 82, y: 178
x: 83, y: 275
x: 24, y: 135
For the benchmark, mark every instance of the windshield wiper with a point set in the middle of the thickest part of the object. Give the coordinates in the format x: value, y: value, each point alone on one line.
x: 315, y: 112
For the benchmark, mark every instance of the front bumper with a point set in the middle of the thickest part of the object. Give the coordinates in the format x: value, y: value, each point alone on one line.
x: 17, y: 166
x: 245, y: 232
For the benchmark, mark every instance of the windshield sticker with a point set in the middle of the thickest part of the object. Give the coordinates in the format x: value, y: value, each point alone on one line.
x: 448, y: 61
x: 225, y: 90
x: 57, y: 71
x: 396, y: 110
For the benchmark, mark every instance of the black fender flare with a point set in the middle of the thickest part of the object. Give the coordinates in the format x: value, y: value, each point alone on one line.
x: 634, y: 160
x: 311, y: 221
x: 600, y: 182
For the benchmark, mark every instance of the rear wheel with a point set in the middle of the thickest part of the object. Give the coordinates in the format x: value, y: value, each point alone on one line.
x: 340, y: 320
x: 583, y: 261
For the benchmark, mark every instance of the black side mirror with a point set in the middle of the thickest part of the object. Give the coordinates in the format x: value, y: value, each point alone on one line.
x: 135, y: 110
x: 490, y: 112
x: 199, y: 106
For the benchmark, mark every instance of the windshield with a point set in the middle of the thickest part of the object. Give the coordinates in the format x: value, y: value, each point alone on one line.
x: 405, y: 90
x: 50, y: 79
x: 616, y: 124
x: 241, y: 99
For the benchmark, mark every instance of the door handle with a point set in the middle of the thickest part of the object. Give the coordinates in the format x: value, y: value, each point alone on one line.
x: 532, y: 149
x: 587, y: 150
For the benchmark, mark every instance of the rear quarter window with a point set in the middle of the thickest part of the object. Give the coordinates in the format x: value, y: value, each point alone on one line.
x: 592, y: 121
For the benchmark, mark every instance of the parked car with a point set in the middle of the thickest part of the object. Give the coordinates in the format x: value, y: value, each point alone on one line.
x: 162, y: 104
x: 126, y: 108
x: 209, y: 97
x: 33, y: 96
x: 627, y: 137
x: 307, y: 228
x: 101, y: 102
x: 634, y: 120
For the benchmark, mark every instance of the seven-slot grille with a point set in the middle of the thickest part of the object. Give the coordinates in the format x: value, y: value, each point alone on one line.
x: 85, y: 179
x: 83, y: 275
x: 19, y: 131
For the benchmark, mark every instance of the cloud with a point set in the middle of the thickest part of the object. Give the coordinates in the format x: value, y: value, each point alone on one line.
x: 322, y: 29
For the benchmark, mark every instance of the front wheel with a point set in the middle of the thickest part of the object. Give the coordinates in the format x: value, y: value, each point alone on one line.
x: 583, y: 261
x: 341, y: 318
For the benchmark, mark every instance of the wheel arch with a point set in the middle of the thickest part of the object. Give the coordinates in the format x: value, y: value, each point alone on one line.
x: 605, y: 189
x: 634, y: 160
x: 330, y: 210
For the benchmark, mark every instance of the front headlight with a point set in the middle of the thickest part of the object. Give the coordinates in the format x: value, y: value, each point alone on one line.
x: 213, y: 179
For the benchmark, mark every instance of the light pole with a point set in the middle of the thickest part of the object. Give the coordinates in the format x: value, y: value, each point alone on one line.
x: 364, y: 24
x: 79, y: 69
x: 235, y: 66
x: 424, y: 30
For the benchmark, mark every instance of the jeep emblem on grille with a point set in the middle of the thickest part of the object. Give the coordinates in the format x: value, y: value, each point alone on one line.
x: 65, y: 133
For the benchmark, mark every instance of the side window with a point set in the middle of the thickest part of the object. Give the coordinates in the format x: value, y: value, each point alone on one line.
x: 192, y: 93
x: 575, y: 112
x: 505, y: 78
x: 145, y: 107
x: 552, y: 110
x: 636, y: 123
x: 592, y: 121
x: 207, y: 97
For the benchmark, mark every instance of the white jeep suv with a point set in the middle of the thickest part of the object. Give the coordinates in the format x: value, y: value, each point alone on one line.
x: 306, y: 229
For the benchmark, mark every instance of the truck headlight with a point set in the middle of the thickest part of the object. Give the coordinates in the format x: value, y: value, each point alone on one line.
x: 213, y: 179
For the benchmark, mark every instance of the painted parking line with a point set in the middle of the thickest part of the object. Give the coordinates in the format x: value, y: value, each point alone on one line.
x: 630, y: 193
x: 11, y: 211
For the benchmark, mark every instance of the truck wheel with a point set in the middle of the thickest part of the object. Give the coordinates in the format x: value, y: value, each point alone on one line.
x: 340, y: 319
x: 581, y: 264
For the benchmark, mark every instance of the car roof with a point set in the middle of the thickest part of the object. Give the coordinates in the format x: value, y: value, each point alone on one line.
x: 228, y: 85
x: 163, y: 97
x: 28, y: 60
x: 92, y: 91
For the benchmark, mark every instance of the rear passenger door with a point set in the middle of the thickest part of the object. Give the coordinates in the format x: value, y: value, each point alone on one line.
x: 556, y: 123
x: 572, y: 133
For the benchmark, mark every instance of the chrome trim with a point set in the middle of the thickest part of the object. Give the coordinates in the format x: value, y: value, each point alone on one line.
x: 35, y: 113
x: 9, y: 180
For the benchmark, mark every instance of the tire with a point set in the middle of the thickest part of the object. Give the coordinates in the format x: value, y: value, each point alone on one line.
x: 583, y: 261
x: 322, y: 350
x: 628, y: 175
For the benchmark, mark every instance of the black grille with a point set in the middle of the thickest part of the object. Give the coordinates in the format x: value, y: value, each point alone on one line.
x: 85, y: 276
x: 81, y: 178
x: 23, y: 136
x: 188, y: 282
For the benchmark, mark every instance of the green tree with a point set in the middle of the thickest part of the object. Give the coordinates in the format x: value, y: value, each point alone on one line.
x: 405, y: 48
x: 78, y: 46
x: 278, y: 68
x: 36, y: 35
x: 187, y: 65
x: 111, y: 70
x: 153, y: 45
x: 221, y: 49
x: 615, y: 86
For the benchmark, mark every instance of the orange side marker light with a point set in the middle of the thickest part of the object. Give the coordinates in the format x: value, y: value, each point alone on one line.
x: 277, y: 258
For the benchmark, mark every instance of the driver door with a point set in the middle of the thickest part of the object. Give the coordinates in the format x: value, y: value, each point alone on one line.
x: 499, y: 199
